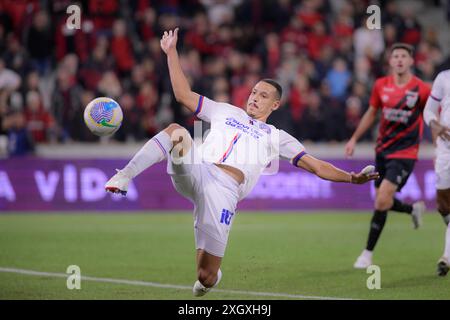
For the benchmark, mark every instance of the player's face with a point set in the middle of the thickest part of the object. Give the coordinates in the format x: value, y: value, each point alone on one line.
x: 401, y: 61
x: 262, y: 101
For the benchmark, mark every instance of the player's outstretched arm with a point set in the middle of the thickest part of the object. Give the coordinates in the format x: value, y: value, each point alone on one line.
x: 181, y: 88
x: 327, y: 171
x: 365, y: 123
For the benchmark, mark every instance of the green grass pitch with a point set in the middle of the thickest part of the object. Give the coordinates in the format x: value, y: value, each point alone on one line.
x: 277, y: 253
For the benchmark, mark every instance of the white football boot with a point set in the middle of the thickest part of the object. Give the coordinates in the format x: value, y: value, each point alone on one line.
x: 118, y: 183
x: 364, y: 260
x: 417, y: 213
x: 199, y: 290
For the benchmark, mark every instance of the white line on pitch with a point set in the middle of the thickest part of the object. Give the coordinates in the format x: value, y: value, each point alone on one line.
x: 162, y: 285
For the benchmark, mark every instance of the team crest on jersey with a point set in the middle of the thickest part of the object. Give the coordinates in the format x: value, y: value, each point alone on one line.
x: 264, y: 127
x: 411, y: 98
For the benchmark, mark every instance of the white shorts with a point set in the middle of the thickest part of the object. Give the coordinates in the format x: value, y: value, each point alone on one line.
x: 442, y: 169
x: 215, y: 197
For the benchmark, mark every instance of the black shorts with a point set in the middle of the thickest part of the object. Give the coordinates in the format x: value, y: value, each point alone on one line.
x: 396, y: 171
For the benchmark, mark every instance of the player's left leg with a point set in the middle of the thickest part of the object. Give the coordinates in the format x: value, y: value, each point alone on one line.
x: 383, y: 201
x: 377, y: 222
x: 416, y: 210
x: 174, y: 139
x: 443, y: 204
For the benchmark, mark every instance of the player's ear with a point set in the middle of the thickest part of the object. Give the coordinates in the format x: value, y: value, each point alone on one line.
x: 276, y: 105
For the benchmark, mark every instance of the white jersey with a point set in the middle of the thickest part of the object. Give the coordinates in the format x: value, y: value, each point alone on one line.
x: 239, y: 141
x: 440, y: 92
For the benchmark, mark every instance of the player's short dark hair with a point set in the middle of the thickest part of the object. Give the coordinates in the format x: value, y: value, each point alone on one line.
x: 402, y: 45
x: 276, y: 85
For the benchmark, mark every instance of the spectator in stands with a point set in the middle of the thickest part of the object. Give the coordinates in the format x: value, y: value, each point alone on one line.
x: 39, y: 123
x: 40, y: 42
x: 298, y: 96
x: 34, y: 83
x: 9, y: 81
x: 121, y: 48
x: 78, y: 41
x: 109, y: 85
x: 390, y: 34
x: 368, y: 43
x: 97, y: 64
x: 146, y: 102
x: 66, y: 105
x: 103, y: 13
x: 353, y: 113
x: 318, y: 38
x: 131, y: 129
x: 271, y: 53
x: 220, y: 11
x: 412, y: 30
x: 312, y: 123
x: 295, y: 33
x: 146, y: 25
x: 338, y: 79
x: 20, y: 142
x: 16, y: 56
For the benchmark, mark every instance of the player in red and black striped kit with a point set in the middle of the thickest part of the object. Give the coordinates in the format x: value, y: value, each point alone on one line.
x: 401, y: 98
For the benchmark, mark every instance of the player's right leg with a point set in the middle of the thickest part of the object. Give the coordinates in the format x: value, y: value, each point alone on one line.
x: 173, y: 139
x: 208, y: 272
x: 215, y: 210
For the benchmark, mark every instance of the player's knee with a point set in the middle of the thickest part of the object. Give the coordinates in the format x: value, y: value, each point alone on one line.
x: 383, y: 202
x: 207, y: 277
x: 174, y: 129
x: 180, y: 138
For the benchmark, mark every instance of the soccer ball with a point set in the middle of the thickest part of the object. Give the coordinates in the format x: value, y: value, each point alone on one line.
x: 103, y: 116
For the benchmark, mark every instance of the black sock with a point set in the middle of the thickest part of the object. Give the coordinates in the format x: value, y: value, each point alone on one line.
x: 376, y: 226
x: 401, y: 206
x: 445, y: 217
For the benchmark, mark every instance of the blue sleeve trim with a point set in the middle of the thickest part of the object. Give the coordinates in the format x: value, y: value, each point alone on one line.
x: 298, y: 157
x: 199, y: 106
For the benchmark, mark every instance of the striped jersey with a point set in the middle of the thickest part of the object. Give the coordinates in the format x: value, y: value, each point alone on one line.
x: 401, y: 123
x: 239, y: 141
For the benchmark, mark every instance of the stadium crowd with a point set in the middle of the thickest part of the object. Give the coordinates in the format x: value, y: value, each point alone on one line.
x: 319, y: 50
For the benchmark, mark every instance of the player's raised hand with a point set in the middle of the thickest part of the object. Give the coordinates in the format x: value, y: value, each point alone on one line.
x: 350, y: 148
x: 169, y: 40
x: 366, y: 174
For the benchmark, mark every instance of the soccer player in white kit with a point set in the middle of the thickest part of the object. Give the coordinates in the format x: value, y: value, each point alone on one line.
x: 216, y: 175
x: 440, y: 126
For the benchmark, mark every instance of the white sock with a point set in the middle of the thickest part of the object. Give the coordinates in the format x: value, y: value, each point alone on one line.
x: 154, y: 151
x: 219, y: 277
x: 447, y: 242
x: 367, y: 254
